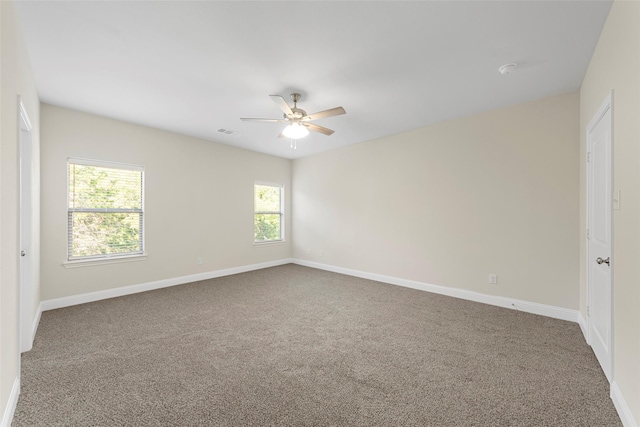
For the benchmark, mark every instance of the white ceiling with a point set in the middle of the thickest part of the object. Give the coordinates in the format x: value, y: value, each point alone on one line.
x: 196, y: 67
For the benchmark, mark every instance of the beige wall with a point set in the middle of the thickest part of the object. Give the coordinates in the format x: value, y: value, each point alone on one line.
x: 198, y: 201
x: 451, y: 203
x: 16, y: 80
x: 615, y: 66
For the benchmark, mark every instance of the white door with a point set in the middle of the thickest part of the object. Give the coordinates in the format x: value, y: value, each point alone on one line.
x: 26, y: 234
x: 599, y: 247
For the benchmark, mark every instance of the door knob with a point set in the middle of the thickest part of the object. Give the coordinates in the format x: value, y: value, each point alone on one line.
x: 603, y: 261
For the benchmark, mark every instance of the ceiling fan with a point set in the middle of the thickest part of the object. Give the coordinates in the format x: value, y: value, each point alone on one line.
x: 298, y: 119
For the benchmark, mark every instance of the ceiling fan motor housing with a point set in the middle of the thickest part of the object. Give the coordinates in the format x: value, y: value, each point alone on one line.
x: 298, y: 113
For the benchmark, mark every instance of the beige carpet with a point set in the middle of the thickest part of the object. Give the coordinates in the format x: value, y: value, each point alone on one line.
x: 295, y: 346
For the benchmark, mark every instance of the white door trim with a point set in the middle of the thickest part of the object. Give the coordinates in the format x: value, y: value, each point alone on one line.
x: 606, y: 106
x: 23, y: 114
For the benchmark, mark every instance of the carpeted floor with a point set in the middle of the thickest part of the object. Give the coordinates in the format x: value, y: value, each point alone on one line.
x: 295, y: 346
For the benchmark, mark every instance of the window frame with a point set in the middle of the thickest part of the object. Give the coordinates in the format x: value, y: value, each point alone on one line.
x: 281, y: 212
x: 102, y: 258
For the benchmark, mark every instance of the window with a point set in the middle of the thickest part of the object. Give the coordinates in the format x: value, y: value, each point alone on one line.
x: 105, y: 209
x: 268, y: 213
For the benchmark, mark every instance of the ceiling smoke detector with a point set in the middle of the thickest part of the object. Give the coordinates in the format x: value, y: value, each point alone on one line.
x: 507, y: 68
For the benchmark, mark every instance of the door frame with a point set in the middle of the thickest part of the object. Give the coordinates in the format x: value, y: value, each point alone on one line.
x: 607, y: 105
x: 25, y: 291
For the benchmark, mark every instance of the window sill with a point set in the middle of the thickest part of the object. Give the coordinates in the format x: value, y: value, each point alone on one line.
x: 102, y: 261
x: 269, y: 243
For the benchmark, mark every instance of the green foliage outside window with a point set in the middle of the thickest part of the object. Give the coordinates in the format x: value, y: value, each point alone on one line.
x: 267, y: 223
x: 105, y: 211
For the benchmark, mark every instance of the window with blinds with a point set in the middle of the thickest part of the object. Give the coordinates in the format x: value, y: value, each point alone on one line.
x: 268, y: 206
x: 105, y: 209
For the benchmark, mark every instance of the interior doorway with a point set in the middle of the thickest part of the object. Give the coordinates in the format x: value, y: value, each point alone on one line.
x: 599, y: 236
x: 25, y: 295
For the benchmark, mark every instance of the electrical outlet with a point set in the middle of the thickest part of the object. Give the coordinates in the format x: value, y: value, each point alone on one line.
x: 493, y: 279
x: 199, y: 261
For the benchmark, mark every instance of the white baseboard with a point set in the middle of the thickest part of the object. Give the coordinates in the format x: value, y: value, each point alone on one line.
x: 10, y: 409
x: 36, y: 323
x: 621, y: 406
x: 34, y: 329
x: 53, y: 304
x: 583, y: 327
x: 529, y: 307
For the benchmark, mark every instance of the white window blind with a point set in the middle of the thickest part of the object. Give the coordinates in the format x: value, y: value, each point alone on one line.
x: 268, y: 207
x: 105, y: 209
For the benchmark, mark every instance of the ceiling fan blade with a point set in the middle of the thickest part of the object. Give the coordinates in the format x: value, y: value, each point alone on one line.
x: 263, y: 120
x: 317, y: 128
x: 326, y: 113
x: 280, y: 102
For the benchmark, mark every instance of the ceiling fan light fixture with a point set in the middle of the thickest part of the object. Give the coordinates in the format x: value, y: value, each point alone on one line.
x: 295, y: 131
x: 298, y: 120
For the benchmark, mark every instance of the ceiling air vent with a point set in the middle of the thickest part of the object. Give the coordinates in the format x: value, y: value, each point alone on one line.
x: 229, y: 132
